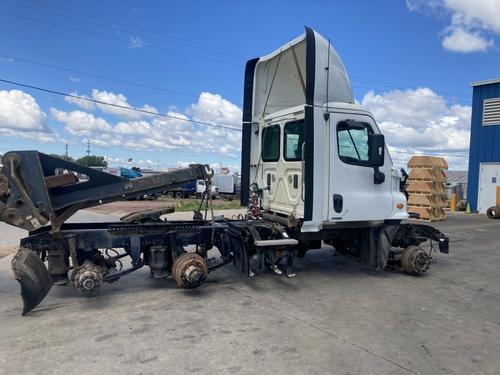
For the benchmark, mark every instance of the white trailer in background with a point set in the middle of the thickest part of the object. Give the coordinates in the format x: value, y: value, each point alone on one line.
x: 226, y: 183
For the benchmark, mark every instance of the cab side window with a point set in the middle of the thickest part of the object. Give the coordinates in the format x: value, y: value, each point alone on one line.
x: 353, y: 144
x: 294, y: 138
x: 271, y: 143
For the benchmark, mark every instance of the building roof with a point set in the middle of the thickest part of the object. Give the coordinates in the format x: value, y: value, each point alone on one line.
x: 457, y: 177
x: 485, y: 82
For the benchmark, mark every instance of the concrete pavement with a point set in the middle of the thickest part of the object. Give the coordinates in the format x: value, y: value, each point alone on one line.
x: 334, y: 317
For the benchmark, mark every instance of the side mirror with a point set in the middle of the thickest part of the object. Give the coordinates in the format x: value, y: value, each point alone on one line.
x: 376, y: 150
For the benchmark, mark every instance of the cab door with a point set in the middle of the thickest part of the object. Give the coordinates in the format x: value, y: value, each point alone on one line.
x: 270, y: 160
x: 354, y: 195
x: 282, y: 167
x: 291, y: 167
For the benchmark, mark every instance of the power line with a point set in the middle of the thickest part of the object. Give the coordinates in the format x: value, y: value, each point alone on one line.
x: 143, y: 29
x: 383, y: 83
x: 174, y: 117
x: 154, y: 37
x: 353, y: 77
x: 118, y: 39
x: 117, y: 105
x: 120, y: 80
x: 146, y: 85
x: 162, y: 114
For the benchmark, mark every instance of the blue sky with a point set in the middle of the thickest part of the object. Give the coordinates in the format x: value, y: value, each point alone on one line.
x: 410, y: 62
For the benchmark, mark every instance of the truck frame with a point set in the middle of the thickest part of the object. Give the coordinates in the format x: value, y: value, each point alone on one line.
x: 314, y: 171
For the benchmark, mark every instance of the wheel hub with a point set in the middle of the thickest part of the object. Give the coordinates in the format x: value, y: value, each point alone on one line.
x: 189, y: 270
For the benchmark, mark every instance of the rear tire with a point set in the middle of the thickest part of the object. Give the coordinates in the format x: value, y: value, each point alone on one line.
x: 493, y: 212
x: 170, y: 194
x: 179, y: 195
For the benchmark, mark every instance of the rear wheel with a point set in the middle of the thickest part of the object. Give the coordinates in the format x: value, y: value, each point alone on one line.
x: 179, y: 195
x: 189, y: 270
x: 170, y: 194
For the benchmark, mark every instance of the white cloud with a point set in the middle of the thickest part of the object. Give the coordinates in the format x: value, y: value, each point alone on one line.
x: 213, y: 108
x: 133, y: 128
x: 20, y: 111
x: 75, y: 79
x: 421, y: 121
x: 471, y: 22
x: 118, y: 108
x: 81, y: 123
x: 21, y: 117
x: 153, y: 133
x: 135, y: 41
x: 37, y: 136
x: 476, y: 13
x: 82, y: 103
x: 460, y: 40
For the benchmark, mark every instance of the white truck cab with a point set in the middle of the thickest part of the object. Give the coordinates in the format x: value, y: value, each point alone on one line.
x: 345, y: 183
x: 316, y: 163
x: 318, y: 157
x: 201, y: 187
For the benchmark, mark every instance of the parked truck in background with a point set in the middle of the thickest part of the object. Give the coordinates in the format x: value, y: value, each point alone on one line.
x: 189, y: 189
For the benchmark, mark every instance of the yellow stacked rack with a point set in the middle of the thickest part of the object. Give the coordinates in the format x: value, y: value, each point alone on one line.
x: 426, y: 187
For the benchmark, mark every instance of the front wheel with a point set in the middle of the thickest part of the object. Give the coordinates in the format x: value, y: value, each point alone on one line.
x: 414, y: 260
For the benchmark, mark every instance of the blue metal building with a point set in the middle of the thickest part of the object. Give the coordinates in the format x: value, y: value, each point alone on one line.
x: 484, y: 154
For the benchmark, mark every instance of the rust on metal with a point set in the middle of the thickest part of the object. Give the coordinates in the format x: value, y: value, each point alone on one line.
x: 189, y: 270
x: 414, y: 260
x: 60, y: 180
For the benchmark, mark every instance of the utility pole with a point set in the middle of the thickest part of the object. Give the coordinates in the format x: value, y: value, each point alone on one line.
x: 88, y: 147
x: 66, y: 148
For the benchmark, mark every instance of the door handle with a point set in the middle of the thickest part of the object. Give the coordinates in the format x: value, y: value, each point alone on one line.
x: 338, y: 203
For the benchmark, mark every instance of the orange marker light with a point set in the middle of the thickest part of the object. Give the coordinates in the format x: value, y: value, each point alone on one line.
x: 400, y: 206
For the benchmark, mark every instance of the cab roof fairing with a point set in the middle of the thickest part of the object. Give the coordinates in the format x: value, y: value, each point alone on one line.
x: 285, y: 77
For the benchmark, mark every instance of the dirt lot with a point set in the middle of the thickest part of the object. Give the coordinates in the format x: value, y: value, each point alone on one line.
x: 181, y: 205
x: 335, y: 317
x: 7, y: 250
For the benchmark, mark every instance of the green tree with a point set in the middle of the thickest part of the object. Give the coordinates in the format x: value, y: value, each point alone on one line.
x: 92, y: 161
x: 64, y: 157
